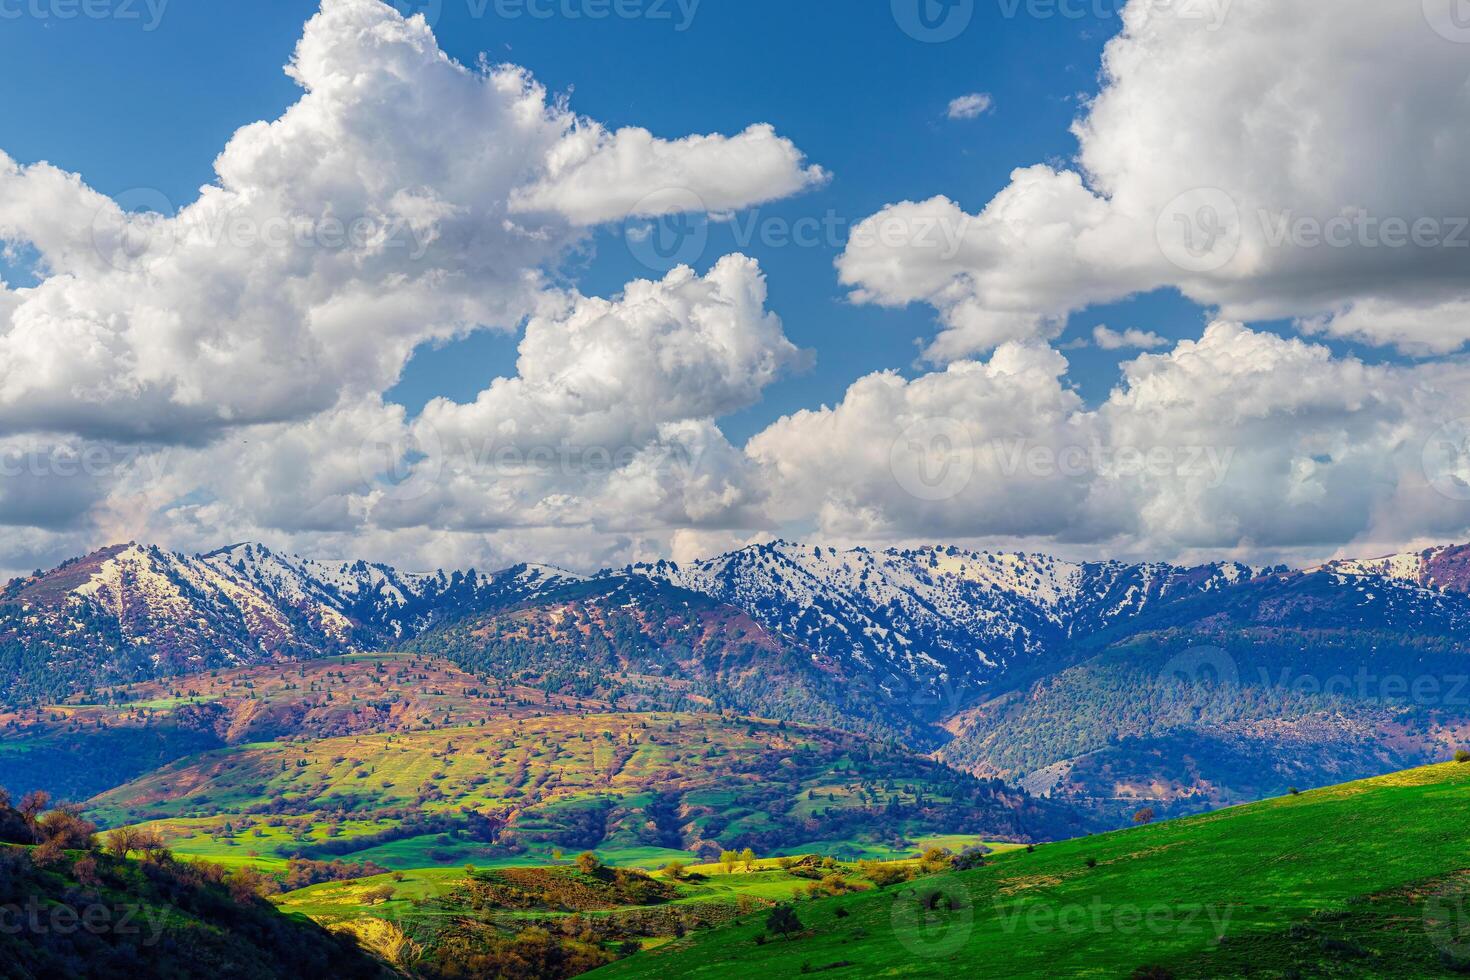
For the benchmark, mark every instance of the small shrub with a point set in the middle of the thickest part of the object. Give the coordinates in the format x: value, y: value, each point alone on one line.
x: 783, y: 921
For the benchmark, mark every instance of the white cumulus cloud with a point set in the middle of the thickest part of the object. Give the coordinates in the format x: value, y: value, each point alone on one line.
x: 1226, y: 159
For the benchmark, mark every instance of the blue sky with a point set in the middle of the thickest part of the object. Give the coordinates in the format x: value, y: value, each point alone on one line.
x: 1279, y: 397
x: 126, y: 107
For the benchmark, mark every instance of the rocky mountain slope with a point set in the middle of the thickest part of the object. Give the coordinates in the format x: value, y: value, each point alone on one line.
x: 936, y: 626
x: 133, y: 612
x: 1294, y: 679
x: 1445, y: 568
x: 641, y: 643
x: 1020, y: 666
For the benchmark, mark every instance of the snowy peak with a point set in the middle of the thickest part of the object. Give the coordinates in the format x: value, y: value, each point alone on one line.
x: 301, y: 580
x: 933, y: 617
x: 1445, y: 568
x: 132, y: 611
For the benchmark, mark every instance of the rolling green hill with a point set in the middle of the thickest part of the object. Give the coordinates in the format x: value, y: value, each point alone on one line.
x: 83, y: 746
x: 628, y: 785
x: 97, y: 917
x: 1365, y: 879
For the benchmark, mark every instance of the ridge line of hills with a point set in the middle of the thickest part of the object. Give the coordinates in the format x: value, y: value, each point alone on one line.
x: 1101, y: 683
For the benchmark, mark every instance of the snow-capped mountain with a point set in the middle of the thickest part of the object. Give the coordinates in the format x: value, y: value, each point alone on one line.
x: 1445, y: 568
x: 934, y: 627
x: 933, y: 623
x: 133, y: 611
x: 368, y: 604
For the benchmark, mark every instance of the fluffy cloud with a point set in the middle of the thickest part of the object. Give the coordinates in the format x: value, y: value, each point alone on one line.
x: 402, y: 199
x: 218, y: 373
x: 1421, y: 330
x: 971, y: 106
x: 609, y: 419
x: 605, y: 432
x: 897, y: 457
x: 607, y: 373
x: 1226, y: 159
x: 1109, y: 339
x: 1241, y: 440
x: 595, y: 176
x: 222, y: 365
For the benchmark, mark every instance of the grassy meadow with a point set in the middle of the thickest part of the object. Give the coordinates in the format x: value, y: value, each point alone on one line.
x: 1362, y: 879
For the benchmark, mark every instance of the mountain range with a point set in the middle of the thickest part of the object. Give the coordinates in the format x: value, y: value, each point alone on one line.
x: 1103, y: 683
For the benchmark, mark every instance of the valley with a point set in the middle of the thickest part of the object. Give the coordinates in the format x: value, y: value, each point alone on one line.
x: 572, y: 773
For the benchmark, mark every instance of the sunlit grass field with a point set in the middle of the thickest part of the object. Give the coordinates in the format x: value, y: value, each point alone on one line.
x: 1363, y: 879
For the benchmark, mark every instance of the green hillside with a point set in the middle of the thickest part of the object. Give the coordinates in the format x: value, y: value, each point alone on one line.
x: 1363, y: 879
x: 94, y: 916
x: 88, y: 744
x: 635, y: 787
x: 1232, y: 696
x: 648, y: 645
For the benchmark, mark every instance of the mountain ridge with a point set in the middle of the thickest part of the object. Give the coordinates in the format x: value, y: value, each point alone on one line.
x: 133, y: 612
